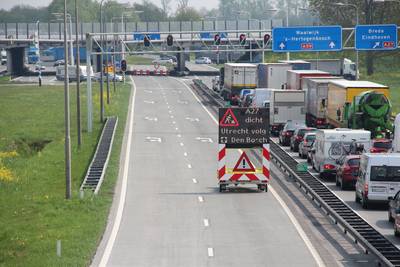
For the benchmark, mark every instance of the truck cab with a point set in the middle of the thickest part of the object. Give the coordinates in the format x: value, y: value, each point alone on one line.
x: 379, y: 178
x: 350, y: 71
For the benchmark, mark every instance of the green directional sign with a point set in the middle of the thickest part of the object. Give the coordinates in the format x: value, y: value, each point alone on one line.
x: 302, y: 167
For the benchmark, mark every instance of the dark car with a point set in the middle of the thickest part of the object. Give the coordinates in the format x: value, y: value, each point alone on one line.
x: 347, y: 172
x: 248, y: 99
x: 394, y: 207
x: 381, y: 145
x: 306, y: 144
x: 298, y: 137
x: 287, y: 132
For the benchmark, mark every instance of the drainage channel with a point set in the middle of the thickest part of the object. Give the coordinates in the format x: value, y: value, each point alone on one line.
x: 362, y: 232
x: 96, y: 171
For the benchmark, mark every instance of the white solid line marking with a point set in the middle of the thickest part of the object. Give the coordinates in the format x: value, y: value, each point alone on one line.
x: 292, y: 218
x: 200, y: 198
x: 210, y: 252
x: 169, y: 111
x: 179, y: 135
x: 189, y: 166
x: 172, y: 116
x: 176, y: 129
x: 121, y: 204
x: 194, y: 181
x: 174, y: 122
x: 206, y: 223
x: 185, y: 154
x: 181, y: 144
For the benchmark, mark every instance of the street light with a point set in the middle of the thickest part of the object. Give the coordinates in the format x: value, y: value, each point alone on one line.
x: 58, y: 16
x: 78, y: 78
x: 357, y: 21
x: 101, y: 64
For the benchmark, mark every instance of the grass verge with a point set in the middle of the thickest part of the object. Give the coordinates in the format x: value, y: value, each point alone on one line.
x: 34, y: 212
x: 138, y: 60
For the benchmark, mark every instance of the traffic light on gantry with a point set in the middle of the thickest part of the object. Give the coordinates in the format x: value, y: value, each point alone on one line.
x: 242, y: 39
x: 170, y: 40
x: 266, y: 38
x: 217, y: 39
x: 146, y: 41
x: 123, y: 65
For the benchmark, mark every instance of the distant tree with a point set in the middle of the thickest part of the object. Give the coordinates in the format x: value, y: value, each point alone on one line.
x: 183, y: 4
x: 166, y: 7
x: 23, y: 13
x: 187, y: 14
x: 151, y: 12
x: 369, y: 12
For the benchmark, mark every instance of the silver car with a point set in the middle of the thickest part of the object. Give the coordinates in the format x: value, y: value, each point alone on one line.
x: 305, y: 145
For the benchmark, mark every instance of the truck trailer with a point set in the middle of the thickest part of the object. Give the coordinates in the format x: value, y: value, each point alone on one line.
x: 297, y: 64
x: 272, y: 75
x: 317, y: 100
x: 336, y: 67
x: 238, y: 76
x: 294, y: 77
x: 286, y: 105
x: 342, y: 94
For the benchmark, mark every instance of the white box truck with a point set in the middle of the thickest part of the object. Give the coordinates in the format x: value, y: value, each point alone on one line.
x: 83, y: 73
x: 238, y: 76
x: 331, y: 146
x: 337, y: 67
x: 3, y: 56
x: 317, y: 98
x: 379, y: 177
x: 286, y: 105
x: 272, y: 75
x: 294, y: 77
x: 261, y: 98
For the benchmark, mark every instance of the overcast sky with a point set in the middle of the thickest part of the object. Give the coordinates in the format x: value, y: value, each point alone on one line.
x: 7, y: 4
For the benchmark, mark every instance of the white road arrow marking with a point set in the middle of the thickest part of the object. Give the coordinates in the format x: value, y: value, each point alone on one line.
x: 148, y: 91
x: 282, y: 46
x: 153, y: 139
x: 332, y: 45
x: 151, y: 118
x: 204, y: 139
x: 192, y: 119
x: 376, y: 45
x: 182, y: 102
x: 148, y: 102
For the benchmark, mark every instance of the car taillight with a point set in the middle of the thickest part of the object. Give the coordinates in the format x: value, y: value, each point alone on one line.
x: 304, y: 143
x: 374, y: 150
x: 347, y: 169
x: 320, y: 121
x: 366, y: 190
x: 299, y: 138
x: 287, y: 133
x: 329, y: 167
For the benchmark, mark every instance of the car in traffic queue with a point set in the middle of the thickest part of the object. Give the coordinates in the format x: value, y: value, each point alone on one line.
x: 298, y: 137
x: 243, y: 94
x: 347, y: 172
x: 381, y: 145
x: 288, y: 130
x: 311, y: 153
x: 306, y: 144
x: 248, y: 100
x: 202, y: 60
x: 394, y: 212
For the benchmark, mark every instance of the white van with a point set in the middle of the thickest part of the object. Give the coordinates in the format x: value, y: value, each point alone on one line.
x: 332, y: 145
x: 379, y: 177
x: 261, y: 95
x: 83, y: 73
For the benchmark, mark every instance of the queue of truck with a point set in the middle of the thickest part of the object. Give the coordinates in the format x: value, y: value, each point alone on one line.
x: 344, y: 127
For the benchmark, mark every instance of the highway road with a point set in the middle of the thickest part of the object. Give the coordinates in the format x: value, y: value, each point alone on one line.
x: 168, y: 211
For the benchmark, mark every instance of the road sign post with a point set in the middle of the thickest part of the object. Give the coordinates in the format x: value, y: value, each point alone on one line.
x: 307, y: 39
x: 243, y: 128
x: 376, y: 37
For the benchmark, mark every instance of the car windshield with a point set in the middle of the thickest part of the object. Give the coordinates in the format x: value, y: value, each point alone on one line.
x: 385, y: 173
x: 354, y: 162
x: 385, y: 145
x: 302, y: 132
x: 310, y: 137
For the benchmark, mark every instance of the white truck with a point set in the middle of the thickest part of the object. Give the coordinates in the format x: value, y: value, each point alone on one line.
x: 272, y: 75
x: 317, y: 98
x: 337, y: 67
x: 295, y: 77
x: 83, y: 73
x: 238, y: 76
x: 379, y: 177
x: 331, y: 146
x: 286, y: 105
x: 261, y: 98
x: 3, y: 57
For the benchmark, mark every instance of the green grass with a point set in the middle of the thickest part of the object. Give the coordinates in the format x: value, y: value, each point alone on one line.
x: 34, y: 212
x: 138, y: 60
x: 4, y: 79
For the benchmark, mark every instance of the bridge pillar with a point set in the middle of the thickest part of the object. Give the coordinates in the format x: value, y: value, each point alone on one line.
x: 16, y: 60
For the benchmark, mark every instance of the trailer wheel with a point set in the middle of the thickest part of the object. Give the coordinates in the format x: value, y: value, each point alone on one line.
x: 266, y: 188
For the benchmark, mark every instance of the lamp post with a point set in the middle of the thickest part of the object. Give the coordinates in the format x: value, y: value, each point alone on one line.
x: 58, y: 16
x: 357, y: 21
x: 67, y: 147
x: 101, y: 64
x: 78, y: 78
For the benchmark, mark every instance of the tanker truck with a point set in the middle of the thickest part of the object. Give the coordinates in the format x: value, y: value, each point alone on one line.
x: 359, y: 105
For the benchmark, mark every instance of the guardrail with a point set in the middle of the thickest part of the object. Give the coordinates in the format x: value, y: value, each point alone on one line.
x: 362, y: 232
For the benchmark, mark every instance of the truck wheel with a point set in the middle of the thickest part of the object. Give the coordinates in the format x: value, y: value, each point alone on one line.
x: 390, y: 218
x: 337, y: 181
x: 364, y: 203
x: 266, y: 188
x: 343, y: 185
x: 357, y: 198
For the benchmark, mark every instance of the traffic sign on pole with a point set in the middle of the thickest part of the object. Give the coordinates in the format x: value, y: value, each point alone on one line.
x: 376, y: 37
x: 303, y: 39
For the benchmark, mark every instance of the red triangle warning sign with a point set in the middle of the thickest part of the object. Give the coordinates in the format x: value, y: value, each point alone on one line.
x: 229, y: 119
x: 244, y: 164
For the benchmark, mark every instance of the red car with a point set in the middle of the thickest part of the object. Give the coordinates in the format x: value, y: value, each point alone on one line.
x: 347, y: 173
x: 381, y: 145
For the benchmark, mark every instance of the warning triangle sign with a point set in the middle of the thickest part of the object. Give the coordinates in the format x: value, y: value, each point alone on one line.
x: 244, y: 164
x: 229, y: 119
